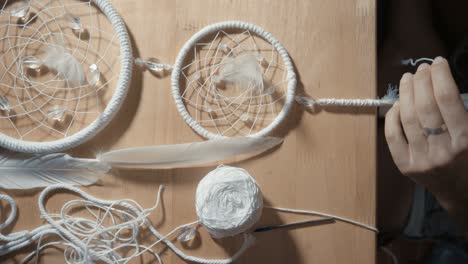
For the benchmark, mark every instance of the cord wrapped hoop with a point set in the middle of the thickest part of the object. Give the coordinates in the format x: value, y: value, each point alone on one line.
x: 186, y: 49
x: 111, y: 109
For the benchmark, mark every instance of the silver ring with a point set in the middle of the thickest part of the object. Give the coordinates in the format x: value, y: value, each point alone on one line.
x: 428, y: 131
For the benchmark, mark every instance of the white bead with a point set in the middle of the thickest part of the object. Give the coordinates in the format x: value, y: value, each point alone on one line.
x: 271, y: 90
x: 94, y: 74
x: 196, y: 75
x: 21, y: 9
x: 224, y: 48
x: 153, y: 64
x: 244, y: 117
x: 57, y: 112
x: 31, y: 62
x: 216, y: 79
x: 73, y: 21
x: 4, y: 103
x: 187, y: 233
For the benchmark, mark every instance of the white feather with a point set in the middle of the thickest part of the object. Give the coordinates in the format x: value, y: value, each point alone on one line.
x: 57, y: 58
x: 244, y: 71
x: 24, y: 171
x: 190, y: 154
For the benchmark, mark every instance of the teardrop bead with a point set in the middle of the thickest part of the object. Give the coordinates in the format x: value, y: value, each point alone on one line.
x: 21, y: 10
x: 94, y: 74
x: 57, y: 112
x: 4, y: 103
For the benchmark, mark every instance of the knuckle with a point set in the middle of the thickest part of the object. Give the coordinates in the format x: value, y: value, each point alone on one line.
x: 409, y: 120
x: 425, y: 108
x: 441, y: 158
x: 444, y: 96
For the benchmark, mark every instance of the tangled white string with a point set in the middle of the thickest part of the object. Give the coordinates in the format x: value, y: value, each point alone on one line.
x: 415, y: 62
x: 111, y: 228
x: 228, y: 201
x: 65, y: 67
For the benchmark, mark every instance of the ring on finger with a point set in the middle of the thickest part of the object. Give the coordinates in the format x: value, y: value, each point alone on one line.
x: 434, y: 131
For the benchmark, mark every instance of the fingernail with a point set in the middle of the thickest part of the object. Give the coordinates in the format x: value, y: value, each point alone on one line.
x: 423, y: 66
x: 406, y: 77
x: 439, y: 59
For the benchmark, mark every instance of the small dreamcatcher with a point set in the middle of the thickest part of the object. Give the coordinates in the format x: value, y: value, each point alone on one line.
x: 65, y: 67
x: 233, y: 79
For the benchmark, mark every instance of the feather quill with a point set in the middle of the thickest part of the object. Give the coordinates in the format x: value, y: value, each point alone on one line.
x: 190, y: 154
x: 24, y: 171
x: 243, y: 71
x: 57, y: 58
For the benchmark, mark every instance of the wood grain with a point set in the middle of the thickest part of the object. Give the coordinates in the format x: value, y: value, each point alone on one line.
x: 327, y: 162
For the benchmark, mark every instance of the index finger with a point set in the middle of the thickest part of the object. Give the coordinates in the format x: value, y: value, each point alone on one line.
x: 447, y: 96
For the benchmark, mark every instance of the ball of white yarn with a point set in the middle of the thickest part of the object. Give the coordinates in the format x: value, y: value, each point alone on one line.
x: 228, y: 201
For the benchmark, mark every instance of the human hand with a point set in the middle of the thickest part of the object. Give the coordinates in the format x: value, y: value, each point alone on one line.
x: 427, y: 134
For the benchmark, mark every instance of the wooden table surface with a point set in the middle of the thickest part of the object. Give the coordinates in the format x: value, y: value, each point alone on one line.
x: 327, y: 162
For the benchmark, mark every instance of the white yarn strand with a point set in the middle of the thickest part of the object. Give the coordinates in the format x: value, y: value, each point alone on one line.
x: 88, y: 240
x: 337, y: 218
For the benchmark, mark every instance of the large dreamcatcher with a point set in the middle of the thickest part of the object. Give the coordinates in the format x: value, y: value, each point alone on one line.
x: 65, y: 67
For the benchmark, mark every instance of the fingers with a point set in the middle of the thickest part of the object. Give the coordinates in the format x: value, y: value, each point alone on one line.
x: 409, y: 119
x: 427, y: 108
x: 395, y: 137
x: 424, y: 100
x: 448, y: 98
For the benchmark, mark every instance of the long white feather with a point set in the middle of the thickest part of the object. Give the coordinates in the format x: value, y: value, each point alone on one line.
x: 244, y: 71
x: 24, y: 171
x: 190, y: 154
x: 57, y: 58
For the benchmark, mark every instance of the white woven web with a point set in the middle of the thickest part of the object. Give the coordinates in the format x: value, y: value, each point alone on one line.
x: 38, y: 103
x: 226, y: 108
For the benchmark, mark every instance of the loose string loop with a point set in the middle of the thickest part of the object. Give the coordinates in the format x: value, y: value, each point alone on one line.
x: 90, y: 239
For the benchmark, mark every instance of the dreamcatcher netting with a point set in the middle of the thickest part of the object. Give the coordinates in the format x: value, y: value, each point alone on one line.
x: 65, y: 67
x: 233, y: 79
